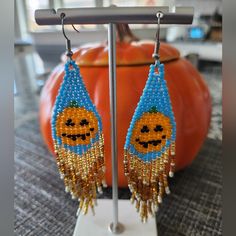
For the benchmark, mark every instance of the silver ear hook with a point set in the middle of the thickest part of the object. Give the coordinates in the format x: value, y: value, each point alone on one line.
x: 156, y: 55
x: 68, y: 44
x: 75, y: 28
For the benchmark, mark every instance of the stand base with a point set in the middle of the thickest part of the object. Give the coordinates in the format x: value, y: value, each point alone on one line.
x: 99, y: 224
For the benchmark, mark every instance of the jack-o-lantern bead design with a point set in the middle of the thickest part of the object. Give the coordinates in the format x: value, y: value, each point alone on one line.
x: 151, y: 132
x: 150, y: 145
x: 76, y: 126
x: 78, y: 140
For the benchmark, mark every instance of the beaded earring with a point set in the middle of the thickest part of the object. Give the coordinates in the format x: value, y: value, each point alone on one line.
x: 150, y: 142
x: 78, y: 138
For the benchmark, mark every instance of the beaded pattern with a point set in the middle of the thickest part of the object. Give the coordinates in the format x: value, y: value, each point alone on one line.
x: 78, y: 139
x: 150, y: 145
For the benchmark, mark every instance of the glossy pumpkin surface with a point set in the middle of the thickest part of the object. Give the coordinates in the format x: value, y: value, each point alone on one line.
x: 188, y: 92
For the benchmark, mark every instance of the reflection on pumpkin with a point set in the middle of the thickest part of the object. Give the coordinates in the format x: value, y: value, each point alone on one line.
x: 76, y: 125
x: 151, y: 132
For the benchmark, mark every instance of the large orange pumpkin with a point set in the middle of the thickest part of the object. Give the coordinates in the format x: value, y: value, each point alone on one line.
x: 188, y: 91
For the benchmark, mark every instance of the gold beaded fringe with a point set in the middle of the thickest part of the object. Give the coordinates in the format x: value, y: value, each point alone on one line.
x: 83, y: 175
x: 148, y: 181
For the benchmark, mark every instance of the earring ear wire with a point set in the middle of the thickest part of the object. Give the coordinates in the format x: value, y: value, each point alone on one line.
x: 155, y: 54
x: 69, y: 53
x: 150, y: 142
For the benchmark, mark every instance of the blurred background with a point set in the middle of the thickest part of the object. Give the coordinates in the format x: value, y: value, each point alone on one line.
x: 41, y: 206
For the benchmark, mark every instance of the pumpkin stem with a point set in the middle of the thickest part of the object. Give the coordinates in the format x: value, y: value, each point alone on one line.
x: 124, y: 34
x: 153, y: 110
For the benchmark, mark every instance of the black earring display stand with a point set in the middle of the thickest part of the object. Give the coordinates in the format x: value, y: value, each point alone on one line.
x: 106, y: 220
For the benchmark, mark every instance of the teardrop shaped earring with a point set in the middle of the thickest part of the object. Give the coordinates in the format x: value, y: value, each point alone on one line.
x: 77, y: 136
x: 150, y: 142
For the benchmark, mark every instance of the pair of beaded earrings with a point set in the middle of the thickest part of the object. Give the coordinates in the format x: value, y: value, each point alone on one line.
x: 149, y: 148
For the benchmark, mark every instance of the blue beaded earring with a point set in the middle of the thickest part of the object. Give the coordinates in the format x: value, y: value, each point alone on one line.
x: 150, y: 142
x: 78, y: 138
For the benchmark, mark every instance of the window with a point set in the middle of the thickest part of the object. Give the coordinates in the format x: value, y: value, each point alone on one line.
x: 31, y: 6
x: 78, y: 3
x: 125, y: 3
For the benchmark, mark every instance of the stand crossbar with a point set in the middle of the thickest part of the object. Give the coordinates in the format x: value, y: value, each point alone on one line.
x: 106, y: 15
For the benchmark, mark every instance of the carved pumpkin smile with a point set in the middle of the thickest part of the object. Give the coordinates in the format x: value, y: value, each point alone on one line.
x: 75, y: 136
x: 151, y: 132
x: 76, y: 125
x: 150, y: 142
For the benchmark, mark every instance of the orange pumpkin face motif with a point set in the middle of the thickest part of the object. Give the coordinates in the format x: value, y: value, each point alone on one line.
x: 151, y: 132
x: 189, y: 95
x: 76, y: 125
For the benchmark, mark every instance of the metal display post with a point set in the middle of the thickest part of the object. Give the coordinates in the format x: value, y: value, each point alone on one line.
x: 115, y: 226
x: 90, y: 225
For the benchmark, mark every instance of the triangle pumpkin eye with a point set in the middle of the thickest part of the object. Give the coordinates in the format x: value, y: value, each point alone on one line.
x: 158, y: 128
x: 145, y: 129
x: 84, y: 122
x: 69, y: 122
